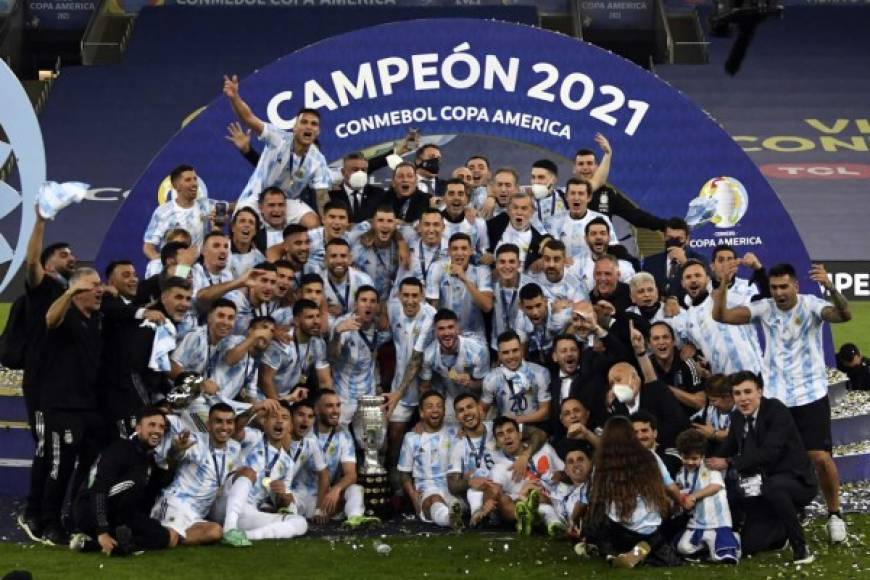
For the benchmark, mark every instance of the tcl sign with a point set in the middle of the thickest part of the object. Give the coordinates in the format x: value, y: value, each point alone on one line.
x: 816, y: 171
x: 852, y: 279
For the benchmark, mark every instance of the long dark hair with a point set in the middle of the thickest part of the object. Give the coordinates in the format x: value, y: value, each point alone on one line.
x: 624, y: 472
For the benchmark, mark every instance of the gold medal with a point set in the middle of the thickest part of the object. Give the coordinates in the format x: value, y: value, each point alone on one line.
x: 267, y: 482
x: 452, y: 374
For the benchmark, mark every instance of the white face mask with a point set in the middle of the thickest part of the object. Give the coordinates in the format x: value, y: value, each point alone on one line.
x: 358, y: 179
x: 540, y: 191
x: 623, y: 393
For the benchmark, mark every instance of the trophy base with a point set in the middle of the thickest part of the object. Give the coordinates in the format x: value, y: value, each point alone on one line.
x: 377, y: 492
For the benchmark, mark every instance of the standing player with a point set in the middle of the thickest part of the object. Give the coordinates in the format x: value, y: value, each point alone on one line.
x: 794, y: 363
x: 266, y: 475
x: 456, y: 222
x: 506, y: 290
x: 423, y: 463
x: 519, y: 389
x: 342, y: 281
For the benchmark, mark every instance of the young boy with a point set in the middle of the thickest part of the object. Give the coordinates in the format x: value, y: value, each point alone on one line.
x: 713, y: 420
x: 704, y: 496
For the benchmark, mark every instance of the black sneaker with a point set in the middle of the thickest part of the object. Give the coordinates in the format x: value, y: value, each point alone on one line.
x: 55, y: 536
x: 124, y: 537
x: 802, y: 555
x: 31, y: 526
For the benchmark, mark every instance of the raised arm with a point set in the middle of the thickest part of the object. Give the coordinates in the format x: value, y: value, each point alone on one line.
x: 35, y: 272
x: 721, y: 312
x: 240, y: 107
x: 599, y: 178
x: 839, y: 309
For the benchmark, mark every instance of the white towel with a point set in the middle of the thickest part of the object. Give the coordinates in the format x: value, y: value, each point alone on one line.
x: 54, y: 196
x: 164, y: 343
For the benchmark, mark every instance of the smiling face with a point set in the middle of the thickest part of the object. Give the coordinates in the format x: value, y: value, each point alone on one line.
x: 747, y: 397
x: 577, y: 466
x: 187, y: 186
x: 221, y: 426
x: 510, y: 354
x: 337, y: 260
x: 447, y: 334
x: 465, y: 174
x: 309, y: 321
x: 336, y: 221
x: 384, y: 226
x: 298, y: 247
x: 456, y: 198
x: 507, y: 264
x: 585, y: 166
x: 479, y: 171
x: 62, y: 261
x: 694, y: 280
x: 220, y: 322
x: 606, y: 276
x: 554, y: 264
x: 432, y: 412
x: 329, y: 410
x: 176, y: 301
x: 411, y: 297
x: 431, y: 227
x: 274, y: 210
x: 150, y: 430
x: 244, y: 228
x: 566, y: 354
x: 661, y: 341
x: 125, y: 280
x: 645, y: 434
x: 468, y: 413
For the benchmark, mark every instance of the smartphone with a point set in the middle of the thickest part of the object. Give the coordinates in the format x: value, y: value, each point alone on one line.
x: 221, y: 209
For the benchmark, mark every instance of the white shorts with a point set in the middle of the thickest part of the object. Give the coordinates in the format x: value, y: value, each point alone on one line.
x: 402, y: 413
x: 175, y: 514
x: 445, y: 495
x: 305, y: 502
x: 296, y: 209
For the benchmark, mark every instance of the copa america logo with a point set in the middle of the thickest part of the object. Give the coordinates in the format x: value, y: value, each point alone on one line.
x: 18, y: 120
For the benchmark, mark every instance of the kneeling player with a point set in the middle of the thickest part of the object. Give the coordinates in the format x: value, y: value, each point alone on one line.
x: 423, y: 464
x: 264, y: 478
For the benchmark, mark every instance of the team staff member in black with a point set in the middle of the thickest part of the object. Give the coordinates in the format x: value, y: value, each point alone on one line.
x: 764, y: 443
x: 47, y: 273
x: 67, y: 380
x: 111, y: 509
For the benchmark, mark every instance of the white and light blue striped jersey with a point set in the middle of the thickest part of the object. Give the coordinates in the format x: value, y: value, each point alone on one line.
x: 246, y: 312
x: 317, y: 237
x: 201, y: 472
x: 740, y: 288
x: 570, y: 287
x: 572, y: 232
x: 794, y: 358
x: 521, y: 239
x: 280, y: 167
x: 153, y: 268
x: 506, y: 304
x: 336, y: 447
x: 543, y: 466
x: 170, y: 215
x: 241, y: 263
x: 451, y: 292
x: 308, y: 462
x: 718, y: 420
x: 266, y: 461
x: 476, y: 231
x: 518, y: 392
x: 565, y: 498
x: 290, y: 361
x: 474, y: 454
x: 426, y: 456
x: 202, y: 278
x: 343, y: 294
x: 423, y: 257
x: 548, y: 211
x: 540, y: 338
x: 195, y: 354
x: 409, y: 335
x: 355, y: 372
x: 381, y: 265
x: 711, y: 512
x: 472, y: 357
x: 726, y: 347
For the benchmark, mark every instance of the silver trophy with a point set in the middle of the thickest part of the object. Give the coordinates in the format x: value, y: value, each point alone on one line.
x: 187, y: 387
x: 370, y: 430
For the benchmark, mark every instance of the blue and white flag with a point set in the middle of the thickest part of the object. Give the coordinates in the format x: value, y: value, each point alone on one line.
x: 53, y: 196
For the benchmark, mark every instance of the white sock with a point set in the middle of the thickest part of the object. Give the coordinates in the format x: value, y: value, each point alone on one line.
x: 440, y: 514
x: 290, y: 527
x: 237, y: 497
x: 353, y: 501
x: 549, y: 514
x: 475, y: 499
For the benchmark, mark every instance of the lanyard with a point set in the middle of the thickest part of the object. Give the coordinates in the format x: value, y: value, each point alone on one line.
x: 299, y: 447
x: 425, y: 267
x: 344, y: 301
x: 328, y: 440
x: 219, y: 472
x: 381, y: 260
x: 269, y: 465
x: 694, y: 479
x: 478, y: 455
x: 298, y: 171
x: 265, y: 309
x: 210, y: 362
x: 507, y: 307
x: 299, y: 358
x: 372, y: 344
x: 249, y: 374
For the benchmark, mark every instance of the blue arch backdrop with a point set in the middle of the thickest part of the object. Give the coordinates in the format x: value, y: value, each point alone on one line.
x: 487, y: 78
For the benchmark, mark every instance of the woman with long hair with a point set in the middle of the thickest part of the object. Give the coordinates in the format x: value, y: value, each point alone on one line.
x: 627, y: 497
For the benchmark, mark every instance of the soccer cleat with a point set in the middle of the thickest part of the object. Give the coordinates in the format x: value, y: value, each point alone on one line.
x: 80, y: 542
x: 31, y: 527
x: 555, y: 529
x: 357, y: 521
x: 55, y: 536
x: 456, y: 516
x: 836, y: 529
x: 802, y: 555
x: 524, y: 518
x: 235, y: 539
x: 631, y: 558
x: 534, y: 500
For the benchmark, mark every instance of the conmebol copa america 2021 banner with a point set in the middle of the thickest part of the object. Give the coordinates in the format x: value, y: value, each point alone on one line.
x: 530, y: 87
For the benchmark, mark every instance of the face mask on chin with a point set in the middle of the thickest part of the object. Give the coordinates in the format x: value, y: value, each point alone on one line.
x: 358, y: 179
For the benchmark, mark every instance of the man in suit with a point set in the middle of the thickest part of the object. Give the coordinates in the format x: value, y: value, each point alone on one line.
x: 407, y: 201
x: 355, y: 191
x: 667, y: 267
x: 427, y: 160
x: 764, y: 443
x: 515, y: 227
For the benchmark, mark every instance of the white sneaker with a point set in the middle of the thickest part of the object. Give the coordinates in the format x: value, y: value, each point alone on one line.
x: 836, y: 529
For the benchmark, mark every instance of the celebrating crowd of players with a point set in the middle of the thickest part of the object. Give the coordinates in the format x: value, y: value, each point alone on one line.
x: 532, y: 370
